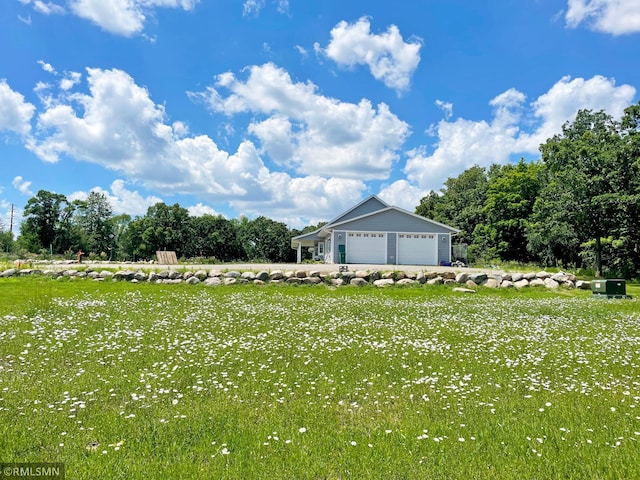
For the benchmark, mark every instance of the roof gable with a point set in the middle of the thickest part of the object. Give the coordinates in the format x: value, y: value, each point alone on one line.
x: 365, y: 207
x: 393, y: 219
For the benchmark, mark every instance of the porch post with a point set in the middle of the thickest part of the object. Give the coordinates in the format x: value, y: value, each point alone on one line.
x: 299, y: 260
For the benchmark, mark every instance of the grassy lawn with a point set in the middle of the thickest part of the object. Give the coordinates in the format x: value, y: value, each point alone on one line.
x: 143, y: 381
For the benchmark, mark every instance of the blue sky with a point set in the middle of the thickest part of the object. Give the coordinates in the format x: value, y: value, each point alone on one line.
x: 293, y: 109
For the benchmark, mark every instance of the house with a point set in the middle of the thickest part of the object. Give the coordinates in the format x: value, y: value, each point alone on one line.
x: 373, y: 232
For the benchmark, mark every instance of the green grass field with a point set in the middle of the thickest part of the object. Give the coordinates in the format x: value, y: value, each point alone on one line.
x: 125, y: 381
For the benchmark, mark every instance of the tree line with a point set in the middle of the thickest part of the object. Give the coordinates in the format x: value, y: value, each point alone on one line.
x: 578, y: 206
x: 53, y: 225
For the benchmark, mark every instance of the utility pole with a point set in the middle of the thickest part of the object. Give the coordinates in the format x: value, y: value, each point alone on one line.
x: 11, y: 222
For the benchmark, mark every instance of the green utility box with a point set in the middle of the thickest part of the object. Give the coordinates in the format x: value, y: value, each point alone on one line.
x: 610, y: 287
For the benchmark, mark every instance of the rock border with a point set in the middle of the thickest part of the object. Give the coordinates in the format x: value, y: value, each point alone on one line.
x: 464, y: 282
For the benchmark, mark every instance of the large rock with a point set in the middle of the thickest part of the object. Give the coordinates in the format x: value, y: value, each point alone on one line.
x: 262, y: 275
x: 420, y: 277
x: 201, y: 275
x: 294, y: 280
x: 212, y: 281
x: 315, y: 273
x: 311, y: 280
x: 536, y: 282
x: 435, y: 281
x: 529, y: 276
x: 522, y: 283
x: 276, y: 275
x: 583, y: 285
x: 163, y: 274
x: 516, y: 277
x: 362, y: 274
x: 358, y: 282
x: 471, y: 284
x: 139, y: 276
x: 560, y: 277
x: 478, y: 278
x: 347, y: 276
x: 337, y: 282
x: 448, y: 275
x: 543, y: 275
x: 374, y: 275
x: 506, y: 284
x: 248, y: 276
x: 551, y: 283
x: 387, y: 275
x: 462, y: 277
x: 406, y: 281
x: 126, y: 275
x: 8, y: 273
x: 491, y: 283
x: 232, y: 274
x: 463, y: 290
x: 300, y: 273
x: 175, y: 275
x: 193, y: 280
x: 383, y: 282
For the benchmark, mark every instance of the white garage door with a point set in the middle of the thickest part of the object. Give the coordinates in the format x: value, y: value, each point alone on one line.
x: 417, y: 249
x: 366, y: 247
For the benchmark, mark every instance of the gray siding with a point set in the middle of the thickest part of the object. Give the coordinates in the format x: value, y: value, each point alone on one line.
x: 370, y: 206
x: 394, y: 221
x: 444, y: 248
x: 392, y: 243
x: 339, y: 238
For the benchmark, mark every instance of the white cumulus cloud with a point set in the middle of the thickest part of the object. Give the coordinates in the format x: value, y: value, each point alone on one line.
x: 15, y: 112
x: 120, y: 17
x: 22, y: 185
x: 118, y: 126
x: 517, y: 127
x: 616, y: 17
x: 402, y: 194
x: 324, y: 136
x: 390, y: 59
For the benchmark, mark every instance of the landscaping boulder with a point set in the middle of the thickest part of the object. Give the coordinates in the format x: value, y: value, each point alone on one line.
x: 522, y: 283
x: 491, y: 283
x: 551, y: 283
x: 406, y: 281
x: 383, y: 282
x: 462, y: 278
x: 478, y: 278
x: 248, y: 276
x: 193, y: 280
x: 276, y: 275
x: 358, y: 282
x: 583, y: 285
x: 8, y: 273
x: 516, y: 277
x: 262, y: 275
x: 463, y: 290
x: 311, y: 280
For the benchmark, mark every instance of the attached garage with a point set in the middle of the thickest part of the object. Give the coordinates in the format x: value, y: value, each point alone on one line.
x: 417, y: 249
x: 373, y: 232
x: 366, y: 247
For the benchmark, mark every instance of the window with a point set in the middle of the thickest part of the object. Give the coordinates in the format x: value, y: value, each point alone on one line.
x: 321, y: 248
